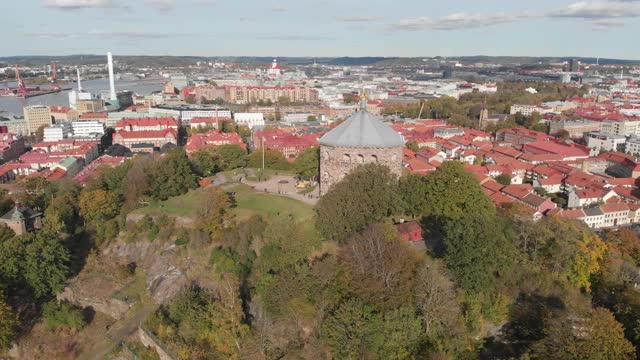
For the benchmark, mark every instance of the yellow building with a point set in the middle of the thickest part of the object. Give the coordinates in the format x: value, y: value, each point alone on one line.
x: 90, y: 106
x: 36, y: 116
x: 63, y: 113
x: 253, y: 94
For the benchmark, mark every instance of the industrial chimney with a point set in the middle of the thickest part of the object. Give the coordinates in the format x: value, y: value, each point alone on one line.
x: 79, y: 81
x: 112, y: 83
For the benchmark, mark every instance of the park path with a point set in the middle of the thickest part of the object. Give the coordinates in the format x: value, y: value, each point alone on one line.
x: 116, y: 334
x: 274, y: 186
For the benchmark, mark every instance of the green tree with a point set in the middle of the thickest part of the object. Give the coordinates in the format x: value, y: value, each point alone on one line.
x: 594, y: 336
x: 34, y: 193
x: 204, y: 162
x: 190, y: 99
x: 346, y: 329
x: 213, y: 216
x: 46, y: 266
x: 438, y: 308
x: 396, y: 334
x: 413, y: 146
x: 6, y: 233
x: 7, y: 323
x: 380, y: 267
x: 99, y: 205
x: 367, y: 195
x: 63, y: 315
x: 452, y: 192
x: 61, y: 211
x: 413, y: 189
x: 172, y: 175
x: 312, y: 118
x: 6, y: 203
x: 307, y: 165
x: 231, y: 157
x: 273, y: 160
x: 586, y: 261
x: 503, y: 179
x: 477, y: 247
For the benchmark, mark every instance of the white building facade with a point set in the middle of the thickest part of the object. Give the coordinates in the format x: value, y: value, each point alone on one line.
x: 249, y: 119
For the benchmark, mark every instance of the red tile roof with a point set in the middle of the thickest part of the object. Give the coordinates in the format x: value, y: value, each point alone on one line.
x: 154, y: 134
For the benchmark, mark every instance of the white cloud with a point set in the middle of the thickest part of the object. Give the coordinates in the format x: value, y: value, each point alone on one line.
x: 94, y: 34
x: 460, y: 21
x: 599, y: 14
x: 598, y: 10
x: 78, y: 4
x: 163, y: 5
x: 279, y: 9
x: 295, y: 38
x: 357, y: 19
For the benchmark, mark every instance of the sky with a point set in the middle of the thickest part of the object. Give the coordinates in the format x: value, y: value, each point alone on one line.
x: 414, y: 28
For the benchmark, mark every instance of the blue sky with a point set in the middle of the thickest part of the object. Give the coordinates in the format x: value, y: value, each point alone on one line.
x: 598, y: 28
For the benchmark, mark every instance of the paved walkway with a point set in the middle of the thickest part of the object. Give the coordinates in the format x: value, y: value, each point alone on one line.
x: 284, y: 185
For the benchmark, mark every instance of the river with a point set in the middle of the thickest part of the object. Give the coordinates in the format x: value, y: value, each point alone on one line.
x: 12, y: 106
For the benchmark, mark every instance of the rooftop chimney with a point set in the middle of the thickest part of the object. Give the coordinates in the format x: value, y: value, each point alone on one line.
x: 112, y: 85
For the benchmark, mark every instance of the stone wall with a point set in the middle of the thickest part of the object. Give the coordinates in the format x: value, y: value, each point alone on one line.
x: 148, y: 340
x: 337, y: 162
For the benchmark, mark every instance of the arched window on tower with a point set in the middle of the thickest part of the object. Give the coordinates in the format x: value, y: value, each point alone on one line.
x: 325, y: 155
x: 374, y: 158
x: 360, y: 159
x: 346, y: 158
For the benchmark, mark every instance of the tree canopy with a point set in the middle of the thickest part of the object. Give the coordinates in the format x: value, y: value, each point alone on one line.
x: 364, y: 197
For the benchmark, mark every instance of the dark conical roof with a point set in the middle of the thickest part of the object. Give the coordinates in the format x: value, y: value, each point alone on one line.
x: 363, y: 129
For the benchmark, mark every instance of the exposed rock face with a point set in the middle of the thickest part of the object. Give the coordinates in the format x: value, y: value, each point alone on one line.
x: 164, y: 279
x: 115, y: 308
x: 150, y: 341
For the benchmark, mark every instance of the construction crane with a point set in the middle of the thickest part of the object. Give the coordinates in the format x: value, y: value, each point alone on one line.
x: 22, y: 90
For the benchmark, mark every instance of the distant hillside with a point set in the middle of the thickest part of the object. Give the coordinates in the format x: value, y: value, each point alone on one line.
x: 178, y: 61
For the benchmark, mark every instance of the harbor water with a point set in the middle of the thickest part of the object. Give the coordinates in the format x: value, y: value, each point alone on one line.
x: 12, y: 106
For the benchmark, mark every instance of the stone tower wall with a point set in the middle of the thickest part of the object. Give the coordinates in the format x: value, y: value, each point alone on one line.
x: 337, y: 162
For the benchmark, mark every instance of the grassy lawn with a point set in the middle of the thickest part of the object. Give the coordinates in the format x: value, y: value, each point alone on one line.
x: 185, y: 205
x: 251, y: 202
x: 248, y: 202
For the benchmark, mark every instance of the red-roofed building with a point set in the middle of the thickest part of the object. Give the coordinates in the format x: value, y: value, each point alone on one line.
x: 94, y: 116
x: 212, y: 140
x: 519, y: 191
x: 90, y: 171
x: 499, y: 198
x: 520, y: 136
x: 147, y: 124
x: 203, y: 122
x: 64, y: 113
x: 429, y: 154
x: 568, y: 151
x: 589, y: 196
x: 158, y: 138
x: 289, y: 144
x: 615, y: 214
x: 409, y: 231
x: 626, y: 165
x: 11, y: 146
x: 418, y: 166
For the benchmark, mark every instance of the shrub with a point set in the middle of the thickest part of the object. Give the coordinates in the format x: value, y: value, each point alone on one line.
x: 63, y: 314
